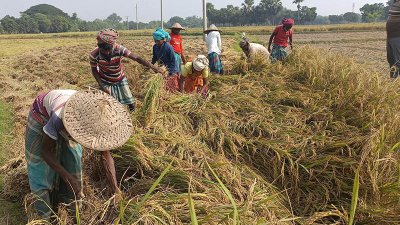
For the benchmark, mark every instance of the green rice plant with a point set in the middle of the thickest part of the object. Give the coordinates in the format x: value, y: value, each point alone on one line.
x: 149, y: 192
x: 192, y: 210
x: 354, y: 197
x: 235, y: 215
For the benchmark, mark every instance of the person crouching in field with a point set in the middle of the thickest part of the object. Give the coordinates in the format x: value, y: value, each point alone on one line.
x: 164, y: 54
x: 393, y: 39
x: 195, y: 76
x: 176, y: 43
x: 214, y: 45
x: 280, y: 38
x: 59, y: 123
x: 106, y: 64
x: 253, y: 50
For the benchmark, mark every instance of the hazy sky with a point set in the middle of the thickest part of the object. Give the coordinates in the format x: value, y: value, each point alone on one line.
x: 150, y: 9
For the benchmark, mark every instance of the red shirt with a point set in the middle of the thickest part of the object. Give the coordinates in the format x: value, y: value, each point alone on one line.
x: 281, y: 36
x: 176, y: 42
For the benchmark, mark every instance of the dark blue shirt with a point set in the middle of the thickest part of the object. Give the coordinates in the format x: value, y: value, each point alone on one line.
x: 165, y: 55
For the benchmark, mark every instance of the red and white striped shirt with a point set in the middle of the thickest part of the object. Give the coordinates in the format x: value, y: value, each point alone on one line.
x: 111, y: 70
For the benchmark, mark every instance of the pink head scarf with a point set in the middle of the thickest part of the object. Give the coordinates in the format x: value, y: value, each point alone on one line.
x: 288, y: 21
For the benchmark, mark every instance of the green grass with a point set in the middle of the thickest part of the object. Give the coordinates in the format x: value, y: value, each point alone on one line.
x: 17, y: 45
x: 10, y: 212
x: 6, y: 127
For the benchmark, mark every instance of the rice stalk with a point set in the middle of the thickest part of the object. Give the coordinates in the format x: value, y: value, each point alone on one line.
x: 354, y: 197
x: 151, y: 99
x: 235, y: 216
x: 192, y: 210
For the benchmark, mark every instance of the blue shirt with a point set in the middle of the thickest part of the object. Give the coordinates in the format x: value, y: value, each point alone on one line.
x: 165, y: 55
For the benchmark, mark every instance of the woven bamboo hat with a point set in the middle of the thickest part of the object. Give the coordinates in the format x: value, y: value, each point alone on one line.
x: 96, y: 120
x: 177, y: 26
x: 211, y: 28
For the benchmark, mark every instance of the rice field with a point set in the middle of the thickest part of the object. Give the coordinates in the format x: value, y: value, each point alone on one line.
x: 292, y: 143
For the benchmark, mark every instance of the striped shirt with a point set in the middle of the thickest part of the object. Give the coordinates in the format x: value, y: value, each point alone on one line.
x: 110, y: 70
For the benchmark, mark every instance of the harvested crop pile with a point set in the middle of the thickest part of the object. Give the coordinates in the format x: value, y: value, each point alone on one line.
x: 275, y: 144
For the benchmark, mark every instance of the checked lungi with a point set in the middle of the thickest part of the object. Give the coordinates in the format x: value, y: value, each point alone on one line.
x: 120, y: 91
x: 44, y: 182
x: 215, y: 63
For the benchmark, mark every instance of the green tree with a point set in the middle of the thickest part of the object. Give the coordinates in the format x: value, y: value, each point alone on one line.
x: 336, y: 19
x: 27, y: 25
x: 1, y: 29
x: 176, y: 19
x: 373, y: 12
x: 298, y: 3
x: 267, y: 11
x: 307, y: 15
x: 193, y: 21
x: 113, y: 20
x: 352, y: 17
x: 212, y: 14
x: 60, y: 24
x: 9, y: 24
x: 43, y: 22
x: 45, y: 9
x: 248, y: 12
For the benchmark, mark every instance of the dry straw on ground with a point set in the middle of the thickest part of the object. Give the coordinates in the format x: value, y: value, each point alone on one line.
x: 284, y: 139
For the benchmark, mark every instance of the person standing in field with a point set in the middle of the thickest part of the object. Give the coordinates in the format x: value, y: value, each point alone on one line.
x: 253, y: 50
x: 164, y: 55
x: 59, y: 123
x: 176, y: 43
x: 280, y: 37
x: 393, y: 39
x: 214, y: 45
x: 195, y: 76
x: 107, y: 69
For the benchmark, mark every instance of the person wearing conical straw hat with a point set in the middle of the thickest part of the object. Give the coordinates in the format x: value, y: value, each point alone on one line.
x: 176, y: 43
x: 59, y: 123
x: 214, y: 45
x: 280, y: 38
x: 195, y: 76
x: 393, y: 39
x: 107, y: 69
x: 164, y: 55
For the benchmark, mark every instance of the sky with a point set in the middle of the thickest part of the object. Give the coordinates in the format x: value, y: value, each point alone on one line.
x: 150, y: 9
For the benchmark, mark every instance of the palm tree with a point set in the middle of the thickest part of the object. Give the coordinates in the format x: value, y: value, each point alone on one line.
x: 298, y: 7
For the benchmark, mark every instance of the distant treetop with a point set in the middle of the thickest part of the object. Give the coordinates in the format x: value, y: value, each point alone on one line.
x: 45, y: 9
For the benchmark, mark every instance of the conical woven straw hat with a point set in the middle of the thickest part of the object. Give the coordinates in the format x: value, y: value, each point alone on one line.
x: 97, y: 121
x: 212, y: 28
x: 177, y: 26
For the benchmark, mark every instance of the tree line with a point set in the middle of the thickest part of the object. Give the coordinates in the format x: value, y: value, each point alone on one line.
x: 46, y: 18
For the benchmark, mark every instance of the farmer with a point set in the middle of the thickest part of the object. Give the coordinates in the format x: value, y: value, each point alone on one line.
x: 280, y: 37
x: 106, y: 64
x: 59, y: 123
x: 214, y: 45
x: 164, y: 54
x: 393, y: 39
x: 176, y: 43
x: 252, y: 50
x: 195, y: 76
